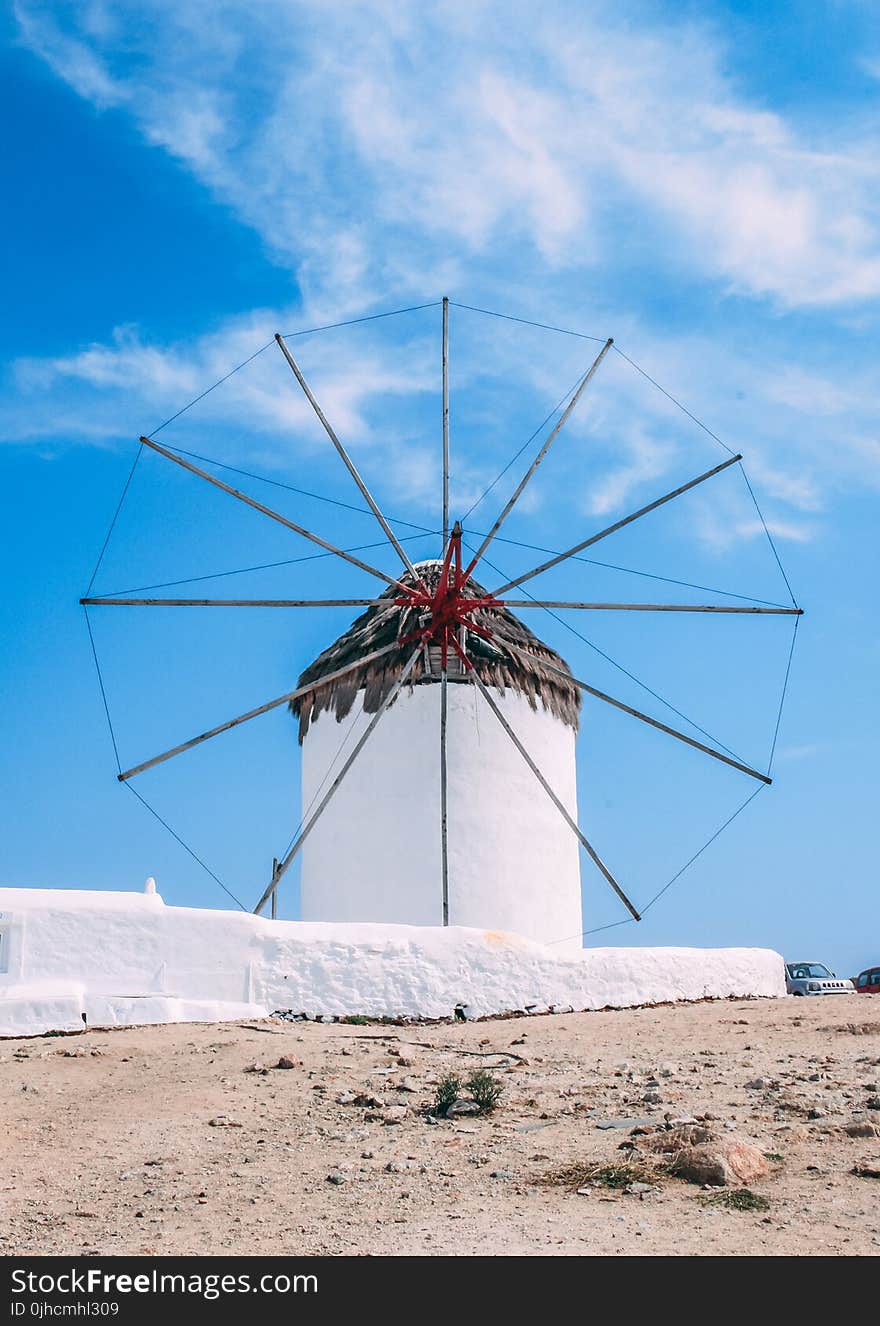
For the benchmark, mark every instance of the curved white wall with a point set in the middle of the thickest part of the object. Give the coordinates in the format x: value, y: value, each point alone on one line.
x: 375, y: 853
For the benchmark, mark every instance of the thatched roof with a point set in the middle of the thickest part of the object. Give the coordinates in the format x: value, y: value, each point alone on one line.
x: 382, y: 625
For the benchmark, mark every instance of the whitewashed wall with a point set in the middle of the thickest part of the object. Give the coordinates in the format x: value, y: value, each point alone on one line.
x: 513, y: 861
x: 124, y: 958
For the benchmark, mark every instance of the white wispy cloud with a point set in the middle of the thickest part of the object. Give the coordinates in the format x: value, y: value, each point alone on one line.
x: 380, y: 147
x: 326, y: 125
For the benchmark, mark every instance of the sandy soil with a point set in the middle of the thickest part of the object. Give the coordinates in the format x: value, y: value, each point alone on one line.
x: 108, y: 1145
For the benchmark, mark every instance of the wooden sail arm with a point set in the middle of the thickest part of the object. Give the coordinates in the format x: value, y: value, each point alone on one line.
x: 255, y: 713
x: 560, y: 424
x: 618, y: 524
x: 643, y: 607
x: 284, y: 865
x: 572, y: 824
x: 644, y: 718
x: 229, y: 603
x: 346, y: 459
x: 267, y: 511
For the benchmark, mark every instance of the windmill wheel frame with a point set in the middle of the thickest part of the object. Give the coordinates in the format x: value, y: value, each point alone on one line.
x: 446, y: 621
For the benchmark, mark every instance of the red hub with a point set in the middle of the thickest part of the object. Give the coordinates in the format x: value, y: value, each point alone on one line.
x: 448, y: 609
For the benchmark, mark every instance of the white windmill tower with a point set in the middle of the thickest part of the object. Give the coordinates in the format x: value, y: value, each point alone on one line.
x: 500, y: 857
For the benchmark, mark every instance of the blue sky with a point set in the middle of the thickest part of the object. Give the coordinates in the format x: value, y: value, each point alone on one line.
x: 701, y: 184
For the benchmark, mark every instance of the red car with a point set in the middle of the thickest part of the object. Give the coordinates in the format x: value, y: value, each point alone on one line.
x: 868, y: 982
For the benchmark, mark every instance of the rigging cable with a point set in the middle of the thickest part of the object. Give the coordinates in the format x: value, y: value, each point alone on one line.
x: 769, y: 535
x: 268, y: 566
x: 782, y: 697
x: 119, y: 506
x: 544, y: 326
x: 670, y: 397
x: 629, y: 570
x: 567, y: 331
x: 133, y: 790
x: 219, y: 383
x: 514, y: 459
x: 340, y: 748
x: 302, y: 492
x: 614, y: 663
x: 678, y: 874
x: 370, y: 317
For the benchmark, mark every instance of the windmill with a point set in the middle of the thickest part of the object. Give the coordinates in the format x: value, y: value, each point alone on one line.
x: 434, y: 625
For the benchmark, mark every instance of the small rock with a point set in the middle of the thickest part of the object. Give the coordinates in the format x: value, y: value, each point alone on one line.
x: 288, y: 1061
x: 501, y: 1174
x: 223, y: 1121
x: 640, y: 1189
x: 398, y: 1166
x: 861, y: 1130
x: 336, y: 1178
x: 462, y: 1107
x: 407, y: 1084
x: 257, y: 1067
x: 625, y: 1123
x: 367, y: 1100
x: 721, y: 1162
x: 793, y: 1132
x: 346, y: 1098
x: 394, y: 1114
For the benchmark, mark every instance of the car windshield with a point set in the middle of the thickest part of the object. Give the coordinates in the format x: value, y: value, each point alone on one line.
x: 806, y: 970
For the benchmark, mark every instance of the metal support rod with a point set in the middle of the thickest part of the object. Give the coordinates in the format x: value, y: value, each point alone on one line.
x: 231, y: 603
x: 445, y: 378
x: 560, y: 424
x: 275, y: 890
x: 572, y: 824
x: 633, y: 607
x: 618, y: 524
x: 637, y: 713
x: 254, y: 713
x: 267, y: 511
x: 444, y: 843
x: 346, y: 459
x: 318, y: 812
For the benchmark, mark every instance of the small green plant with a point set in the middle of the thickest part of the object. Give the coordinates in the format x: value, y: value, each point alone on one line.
x: 485, y: 1090
x: 448, y: 1091
x: 356, y: 1020
x: 738, y: 1199
x: 776, y: 1156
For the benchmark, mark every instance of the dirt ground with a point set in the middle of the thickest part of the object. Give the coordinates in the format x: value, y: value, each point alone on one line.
x: 108, y: 1145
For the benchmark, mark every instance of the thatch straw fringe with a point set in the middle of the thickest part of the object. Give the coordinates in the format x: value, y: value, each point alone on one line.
x: 385, y: 623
